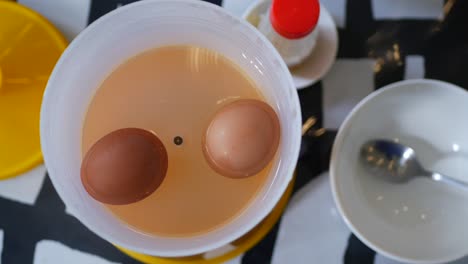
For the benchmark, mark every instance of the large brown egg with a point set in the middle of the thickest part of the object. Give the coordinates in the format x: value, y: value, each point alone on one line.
x: 124, y: 166
x: 242, y: 138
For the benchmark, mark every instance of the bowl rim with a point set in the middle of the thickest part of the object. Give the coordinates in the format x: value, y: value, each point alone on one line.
x: 337, y: 145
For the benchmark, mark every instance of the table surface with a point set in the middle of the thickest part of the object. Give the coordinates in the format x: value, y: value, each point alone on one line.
x: 381, y: 42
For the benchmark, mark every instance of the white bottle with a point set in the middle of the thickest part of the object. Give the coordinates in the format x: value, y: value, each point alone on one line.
x: 290, y: 25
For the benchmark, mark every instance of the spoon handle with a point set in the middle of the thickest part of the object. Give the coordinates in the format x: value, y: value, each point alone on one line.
x: 449, y: 180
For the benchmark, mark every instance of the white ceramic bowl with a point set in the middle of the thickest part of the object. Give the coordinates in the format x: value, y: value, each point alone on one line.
x: 421, y: 221
x: 124, y: 33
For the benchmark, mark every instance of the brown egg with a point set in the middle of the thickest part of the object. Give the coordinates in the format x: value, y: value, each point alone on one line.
x: 242, y: 138
x: 124, y: 166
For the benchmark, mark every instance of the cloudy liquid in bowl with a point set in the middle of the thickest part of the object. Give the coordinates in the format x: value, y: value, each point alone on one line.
x: 175, y: 91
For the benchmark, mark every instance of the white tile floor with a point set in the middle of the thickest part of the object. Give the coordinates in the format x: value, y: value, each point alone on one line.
x: 414, y: 67
x: 24, y: 188
x: 337, y: 9
x: 414, y: 9
x: 328, y: 235
x: 69, y: 16
x: 237, y: 7
x: 48, y: 252
x: 348, y: 81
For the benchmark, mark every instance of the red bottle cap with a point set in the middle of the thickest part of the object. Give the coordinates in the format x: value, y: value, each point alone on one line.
x: 294, y: 19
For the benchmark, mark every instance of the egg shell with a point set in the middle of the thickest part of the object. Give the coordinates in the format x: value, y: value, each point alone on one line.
x: 242, y: 138
x: 124, y: 166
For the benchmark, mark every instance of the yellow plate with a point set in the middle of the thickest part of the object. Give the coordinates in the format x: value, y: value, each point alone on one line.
x: 242, y: 244
x: 29, y: 48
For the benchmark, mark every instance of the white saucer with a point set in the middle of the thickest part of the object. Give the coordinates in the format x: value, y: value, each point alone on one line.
x: 324, y: 54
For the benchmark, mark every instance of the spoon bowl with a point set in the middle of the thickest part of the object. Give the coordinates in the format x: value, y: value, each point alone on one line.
x: 394, y: 162
x: 398, y: 163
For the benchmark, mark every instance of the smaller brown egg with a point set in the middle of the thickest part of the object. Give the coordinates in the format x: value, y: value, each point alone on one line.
x: 124, y: 166
x: 242, y: 138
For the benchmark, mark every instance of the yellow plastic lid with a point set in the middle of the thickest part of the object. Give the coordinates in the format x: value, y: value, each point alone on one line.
x: 29, y: 48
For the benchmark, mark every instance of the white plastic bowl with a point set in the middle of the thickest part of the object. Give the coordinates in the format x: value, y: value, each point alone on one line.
x: 124, y: 33
x: 421, y: 221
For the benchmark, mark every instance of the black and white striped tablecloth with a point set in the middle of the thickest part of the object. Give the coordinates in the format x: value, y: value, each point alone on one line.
x: 381, y: 41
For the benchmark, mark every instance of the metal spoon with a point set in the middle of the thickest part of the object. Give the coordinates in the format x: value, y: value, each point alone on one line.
x: 398, y: 163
